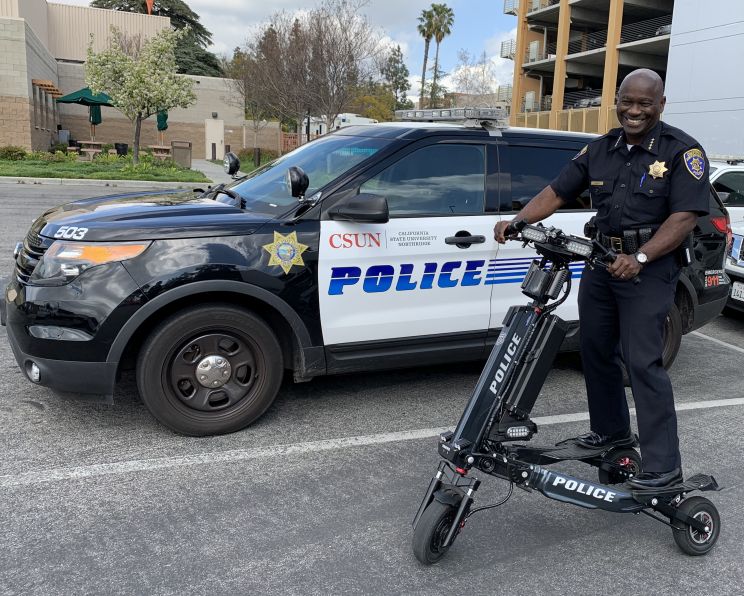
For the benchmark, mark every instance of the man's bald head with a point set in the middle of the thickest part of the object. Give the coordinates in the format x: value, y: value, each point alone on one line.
x: 640, y: 102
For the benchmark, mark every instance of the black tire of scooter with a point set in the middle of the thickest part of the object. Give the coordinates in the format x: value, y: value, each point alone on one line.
x: 689, y: 540
x: 430, y: 532
x: 628, y: 458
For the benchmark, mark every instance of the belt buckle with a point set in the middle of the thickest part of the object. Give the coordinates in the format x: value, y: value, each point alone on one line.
x: 616, y: 243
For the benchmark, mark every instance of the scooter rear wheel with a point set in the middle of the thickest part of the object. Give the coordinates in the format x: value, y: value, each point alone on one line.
x: 628, y: 459
x: 692, y: 541
x: 431, y: 532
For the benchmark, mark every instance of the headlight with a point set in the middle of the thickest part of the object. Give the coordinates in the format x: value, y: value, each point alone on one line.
x: 64, y: 261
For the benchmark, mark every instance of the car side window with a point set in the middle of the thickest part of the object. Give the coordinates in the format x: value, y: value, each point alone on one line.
x: 532, y: 169
x: 442, y: 179
x: 733, y: 184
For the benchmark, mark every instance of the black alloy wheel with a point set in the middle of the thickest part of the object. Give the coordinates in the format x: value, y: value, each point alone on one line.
x: 210, y: 369
x: 696, y: 542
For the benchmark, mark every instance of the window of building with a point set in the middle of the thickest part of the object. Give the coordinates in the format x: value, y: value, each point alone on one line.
x: 442, y: 179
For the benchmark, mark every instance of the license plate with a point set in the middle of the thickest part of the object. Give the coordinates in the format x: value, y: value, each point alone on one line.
x: 737, y: 291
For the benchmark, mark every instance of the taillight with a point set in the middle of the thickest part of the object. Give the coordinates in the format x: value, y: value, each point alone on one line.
x: 722, y: 223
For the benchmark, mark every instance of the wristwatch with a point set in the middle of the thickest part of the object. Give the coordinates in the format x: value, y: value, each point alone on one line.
x: 641, y: 257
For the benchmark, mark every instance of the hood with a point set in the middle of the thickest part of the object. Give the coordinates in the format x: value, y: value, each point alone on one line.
x: 146, y: 216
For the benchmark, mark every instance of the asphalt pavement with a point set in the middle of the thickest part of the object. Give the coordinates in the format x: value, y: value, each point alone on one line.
x: 317, y: 497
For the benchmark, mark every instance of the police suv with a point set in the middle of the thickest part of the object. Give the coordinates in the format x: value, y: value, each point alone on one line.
x: 369, y: 248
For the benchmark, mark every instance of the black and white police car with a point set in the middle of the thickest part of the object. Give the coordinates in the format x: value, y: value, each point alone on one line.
x: 369, y: 248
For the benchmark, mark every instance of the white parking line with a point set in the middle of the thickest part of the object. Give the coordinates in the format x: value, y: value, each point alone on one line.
x: 146, y: 465
x: 718, y: 341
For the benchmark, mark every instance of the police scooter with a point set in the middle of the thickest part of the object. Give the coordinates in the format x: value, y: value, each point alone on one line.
x: 498, y: 413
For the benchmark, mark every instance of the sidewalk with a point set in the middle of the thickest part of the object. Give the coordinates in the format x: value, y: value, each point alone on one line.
x: 216, y: 173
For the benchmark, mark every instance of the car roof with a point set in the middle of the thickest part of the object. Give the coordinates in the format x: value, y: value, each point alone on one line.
x: 419, y: 130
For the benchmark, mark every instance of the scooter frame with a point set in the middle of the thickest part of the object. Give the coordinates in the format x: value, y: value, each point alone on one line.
x: 498, y: 413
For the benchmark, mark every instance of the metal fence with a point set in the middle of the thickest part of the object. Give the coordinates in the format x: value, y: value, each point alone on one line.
x: 646, y: 29
x: 587, y: 42
x: 511, y: 7
x: 509, y: 49
x: 533, y: 5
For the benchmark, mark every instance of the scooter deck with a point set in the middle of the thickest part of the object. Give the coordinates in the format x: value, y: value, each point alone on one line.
x: 565, y: 451
x: 700, y: 482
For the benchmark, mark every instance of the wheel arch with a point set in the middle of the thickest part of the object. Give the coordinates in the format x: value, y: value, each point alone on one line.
x: 293, y: 335
x: 685, y: 298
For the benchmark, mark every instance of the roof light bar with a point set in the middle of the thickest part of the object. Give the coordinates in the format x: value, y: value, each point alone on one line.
x: 497, y: 115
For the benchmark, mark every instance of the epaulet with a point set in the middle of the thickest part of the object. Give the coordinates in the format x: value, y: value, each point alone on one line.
x: 678, y: 134
x: 610, y: 134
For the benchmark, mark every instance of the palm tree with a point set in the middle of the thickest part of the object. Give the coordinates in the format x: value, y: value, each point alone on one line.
x: 444, y: 18
x: 426, y: 30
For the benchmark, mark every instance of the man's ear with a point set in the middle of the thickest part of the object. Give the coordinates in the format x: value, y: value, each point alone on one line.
x: 663, y: 102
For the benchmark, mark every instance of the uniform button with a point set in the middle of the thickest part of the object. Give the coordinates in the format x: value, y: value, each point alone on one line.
x: 628, y: 164
x: 650, y: 192
x: 617, y: 206
x: 622, y: 186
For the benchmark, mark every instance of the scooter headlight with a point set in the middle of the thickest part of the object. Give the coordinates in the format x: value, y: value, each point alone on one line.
x: 64, y: 261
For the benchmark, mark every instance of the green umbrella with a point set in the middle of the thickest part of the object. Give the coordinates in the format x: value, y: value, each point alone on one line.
x: 85, y: 97
x: 162, y: 124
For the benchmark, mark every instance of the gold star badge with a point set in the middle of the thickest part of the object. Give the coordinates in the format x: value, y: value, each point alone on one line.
x: 285, y: 251
x: 657, y: 169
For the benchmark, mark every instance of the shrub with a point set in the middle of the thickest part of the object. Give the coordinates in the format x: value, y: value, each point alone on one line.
x: 12, y: 152
x: 107, y: 147
x: 105, y: 158
x: 59, y: 147
x: 246, y: 155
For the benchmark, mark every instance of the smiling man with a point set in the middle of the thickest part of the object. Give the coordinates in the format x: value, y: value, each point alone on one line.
x: 648, y: 182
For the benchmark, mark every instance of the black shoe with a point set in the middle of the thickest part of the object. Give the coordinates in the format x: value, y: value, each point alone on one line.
x: 594, y: 440
x: 656, y: 479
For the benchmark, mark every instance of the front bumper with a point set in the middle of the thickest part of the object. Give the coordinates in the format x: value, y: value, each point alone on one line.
x: 93, y: 309
x: 736, y: 275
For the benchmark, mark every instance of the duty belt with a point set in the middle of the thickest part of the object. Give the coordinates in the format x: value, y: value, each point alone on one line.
x: 628, y: 242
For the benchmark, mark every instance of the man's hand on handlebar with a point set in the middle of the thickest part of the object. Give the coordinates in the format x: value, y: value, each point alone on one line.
x: 624, y: 267
x: 499, y: 231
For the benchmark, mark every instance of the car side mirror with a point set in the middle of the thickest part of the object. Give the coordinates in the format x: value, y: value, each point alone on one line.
x: 297, y: 182
x: 232, y: 163
x: 362, y: 208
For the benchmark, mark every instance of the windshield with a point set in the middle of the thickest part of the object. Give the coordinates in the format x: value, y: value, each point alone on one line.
x: 323, y: 160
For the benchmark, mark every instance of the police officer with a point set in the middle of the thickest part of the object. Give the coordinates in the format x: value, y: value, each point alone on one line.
x: 648, y: 182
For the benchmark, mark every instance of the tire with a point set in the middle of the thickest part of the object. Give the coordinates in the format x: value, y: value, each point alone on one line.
x: 240, y: 375
x: 689, y: 540
x: 628, y: 459
x: 672, y: 336
x: 431, y: 531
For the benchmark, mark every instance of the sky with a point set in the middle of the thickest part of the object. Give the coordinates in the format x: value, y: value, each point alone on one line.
x: 480, y: 25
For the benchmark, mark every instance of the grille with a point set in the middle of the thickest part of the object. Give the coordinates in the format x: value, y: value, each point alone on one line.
x: 34, y: 247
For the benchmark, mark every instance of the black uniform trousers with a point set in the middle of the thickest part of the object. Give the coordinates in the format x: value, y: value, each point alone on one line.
x: 615, y: 313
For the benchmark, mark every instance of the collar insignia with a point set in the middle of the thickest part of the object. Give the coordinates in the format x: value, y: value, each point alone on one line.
x: 285, y: 251
x: 657, y: 169
x: 695, y: 162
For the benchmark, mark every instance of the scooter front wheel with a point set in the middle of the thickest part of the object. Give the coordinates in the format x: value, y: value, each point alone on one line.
x: 692, y: 541
x: 431, y: 532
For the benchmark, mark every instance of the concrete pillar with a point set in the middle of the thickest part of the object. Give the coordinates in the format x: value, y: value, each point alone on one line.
x: 609, y: 80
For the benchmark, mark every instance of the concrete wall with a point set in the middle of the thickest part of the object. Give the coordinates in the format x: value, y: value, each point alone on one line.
x: 15, y: 120
x: 35, y: 13
x: 704, y: 88
x: 70, y: 28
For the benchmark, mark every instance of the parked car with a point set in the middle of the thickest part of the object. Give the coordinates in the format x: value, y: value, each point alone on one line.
x: 735, y: 271
x: 727, y: 177
x: 370, y: 248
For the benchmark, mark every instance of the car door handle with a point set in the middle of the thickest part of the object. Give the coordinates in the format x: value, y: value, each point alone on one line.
x: 466, y: 240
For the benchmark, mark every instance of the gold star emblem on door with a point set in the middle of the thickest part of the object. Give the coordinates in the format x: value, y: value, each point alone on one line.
x: 285, y: 251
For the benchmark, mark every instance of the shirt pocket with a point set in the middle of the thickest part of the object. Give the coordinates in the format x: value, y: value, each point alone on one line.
x: 650, y: 200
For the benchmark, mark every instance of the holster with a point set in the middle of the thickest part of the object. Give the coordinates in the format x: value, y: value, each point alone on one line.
x: 590, y: 228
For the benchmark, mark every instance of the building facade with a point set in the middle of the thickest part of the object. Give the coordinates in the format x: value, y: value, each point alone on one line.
x: 43, y: 47
x: 571, y: 55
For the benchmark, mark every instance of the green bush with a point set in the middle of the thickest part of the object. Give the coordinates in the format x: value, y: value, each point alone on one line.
x: 246, y: 155
x: 105, y: 158
x: 59, y: 147
x: 108, y: 146
x: 12, y: 153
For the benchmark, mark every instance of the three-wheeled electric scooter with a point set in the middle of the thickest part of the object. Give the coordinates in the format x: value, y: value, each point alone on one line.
x: 498, y: 413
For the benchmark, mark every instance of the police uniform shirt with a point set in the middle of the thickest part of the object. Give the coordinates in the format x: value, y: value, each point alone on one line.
x: 667, y: 173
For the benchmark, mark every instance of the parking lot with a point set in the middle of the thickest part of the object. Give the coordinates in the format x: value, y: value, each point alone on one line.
x: 318, y: 496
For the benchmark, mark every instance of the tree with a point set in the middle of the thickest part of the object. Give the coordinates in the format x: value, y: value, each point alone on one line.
x: 426, y: 30
x: 443, y: 20
x: 192, y: 56
x: 475, y: 79
x: 395, y: 72
x: 244, y: 90
x: 375, y: 100
x: 140, y: 83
